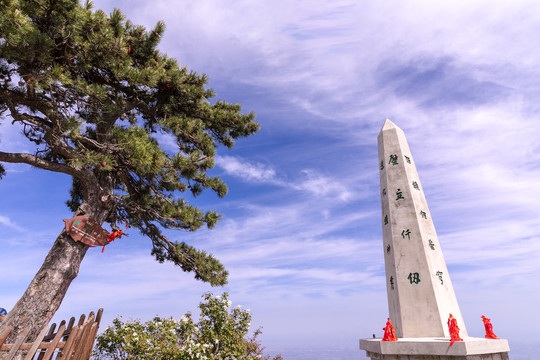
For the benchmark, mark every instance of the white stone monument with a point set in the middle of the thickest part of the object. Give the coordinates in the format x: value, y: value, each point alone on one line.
x: 420, y: 292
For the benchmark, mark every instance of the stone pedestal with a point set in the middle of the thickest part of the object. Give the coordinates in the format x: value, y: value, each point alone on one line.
x: 436, y: 349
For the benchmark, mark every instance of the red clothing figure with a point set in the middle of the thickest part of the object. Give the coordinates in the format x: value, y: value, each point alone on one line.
x: 454, y: 330
x: 489, y: 328
x: 389, y: 332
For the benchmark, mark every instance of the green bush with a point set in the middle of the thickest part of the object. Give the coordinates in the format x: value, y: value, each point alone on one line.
x: 221, y: 333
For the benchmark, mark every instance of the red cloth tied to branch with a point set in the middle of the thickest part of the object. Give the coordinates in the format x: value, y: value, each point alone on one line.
x: 112, y: 236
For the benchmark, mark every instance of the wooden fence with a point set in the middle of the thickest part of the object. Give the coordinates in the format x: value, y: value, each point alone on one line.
x: 69, y: 342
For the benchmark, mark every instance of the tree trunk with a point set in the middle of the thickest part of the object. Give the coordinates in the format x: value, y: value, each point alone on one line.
x: 47, y: 290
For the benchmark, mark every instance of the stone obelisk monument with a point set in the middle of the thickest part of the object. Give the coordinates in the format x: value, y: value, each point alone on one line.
x: 420, y: 292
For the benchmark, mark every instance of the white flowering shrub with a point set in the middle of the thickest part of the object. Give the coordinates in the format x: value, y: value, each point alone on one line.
x: 221, y: 333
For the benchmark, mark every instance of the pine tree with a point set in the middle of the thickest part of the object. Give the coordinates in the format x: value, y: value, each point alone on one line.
x: 93, y: 93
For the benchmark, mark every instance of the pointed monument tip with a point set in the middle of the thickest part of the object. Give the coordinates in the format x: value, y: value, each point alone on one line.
x: 388, y: 125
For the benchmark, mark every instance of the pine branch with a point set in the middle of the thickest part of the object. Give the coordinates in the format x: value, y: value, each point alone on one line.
x: 41, y: 163
x: 31, y: 119
x: 205, y: 266
x: 107, y: 148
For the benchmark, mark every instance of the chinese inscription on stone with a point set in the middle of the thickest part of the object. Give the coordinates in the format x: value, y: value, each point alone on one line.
x: 439, y: 275
x: 406, y: 233
x: 414, y: 278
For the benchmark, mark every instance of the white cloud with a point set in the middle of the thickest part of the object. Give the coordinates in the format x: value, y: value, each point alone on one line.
x: 6, y: 221
x: 245, y: 170
x: 308, y: 181
x: 322, y: 186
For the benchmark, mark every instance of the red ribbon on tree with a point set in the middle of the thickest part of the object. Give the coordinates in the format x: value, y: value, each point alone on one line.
x: 112, y: 236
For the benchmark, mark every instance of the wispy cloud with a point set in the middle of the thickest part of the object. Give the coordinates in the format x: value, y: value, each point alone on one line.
x: 6, y: 221
x: 247, y: 171
x: 307, y: 180
x: 322, y: 186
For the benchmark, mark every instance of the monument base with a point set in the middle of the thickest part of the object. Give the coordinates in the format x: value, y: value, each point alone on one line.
x: 436, y: 349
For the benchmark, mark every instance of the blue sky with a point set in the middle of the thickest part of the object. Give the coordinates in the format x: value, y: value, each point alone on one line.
x: 301, y: 228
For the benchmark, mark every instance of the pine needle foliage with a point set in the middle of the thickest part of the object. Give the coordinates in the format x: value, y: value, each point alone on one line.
x: 95, y: 96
